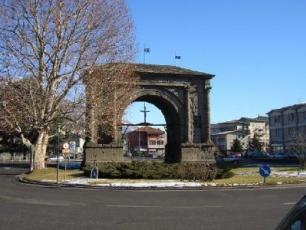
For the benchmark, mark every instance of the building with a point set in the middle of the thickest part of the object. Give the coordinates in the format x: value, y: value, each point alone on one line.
x: 147, y: 141
x: 286, y: 125
x: 224, y: 140
x: 223, y: 134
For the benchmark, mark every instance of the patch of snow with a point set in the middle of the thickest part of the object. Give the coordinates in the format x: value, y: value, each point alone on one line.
x: 175, y: 184
x: 45, y: 180
x: 289, y: 174
x: 133, y: 183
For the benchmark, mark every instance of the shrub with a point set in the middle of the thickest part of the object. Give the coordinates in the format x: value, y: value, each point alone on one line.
x: 155, y: 170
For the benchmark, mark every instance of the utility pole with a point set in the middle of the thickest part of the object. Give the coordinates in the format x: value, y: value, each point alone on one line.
x: 57, y: 154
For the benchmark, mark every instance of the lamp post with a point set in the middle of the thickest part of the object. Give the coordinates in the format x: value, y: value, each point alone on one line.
x: 57, y: 153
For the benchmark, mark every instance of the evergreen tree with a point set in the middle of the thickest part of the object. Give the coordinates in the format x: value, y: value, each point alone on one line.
x: 255, y: 144
x: 236, y: 146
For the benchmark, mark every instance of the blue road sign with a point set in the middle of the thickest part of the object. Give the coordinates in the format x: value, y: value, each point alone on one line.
x: 72, y: 145
x: 94, y: 173
x: 265, y: 170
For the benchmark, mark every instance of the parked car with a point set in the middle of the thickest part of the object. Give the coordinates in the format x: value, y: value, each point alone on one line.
x: 279, y: 156
x: 231, y: 159
x: 257, y: 155
x: 71, y: 165
x: 54, y: 158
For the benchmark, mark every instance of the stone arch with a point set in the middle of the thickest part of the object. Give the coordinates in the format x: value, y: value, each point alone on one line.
x: 183, y: 97
x: 170, y: 106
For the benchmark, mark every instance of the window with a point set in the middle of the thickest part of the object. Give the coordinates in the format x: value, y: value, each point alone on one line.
x: 291, y: 117
x: 277, y: 119
x: 160, y: 142
x: 297, y: 225
x: 291, y: 132
x: 152, y: 142
x: 277, y: 132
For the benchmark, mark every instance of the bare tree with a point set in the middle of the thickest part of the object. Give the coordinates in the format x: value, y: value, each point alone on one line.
x: 107, y: 102
x: 45, y: 46
x: 298, y: 148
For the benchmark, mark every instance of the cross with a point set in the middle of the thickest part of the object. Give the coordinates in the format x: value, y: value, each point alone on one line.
x: 145, y: 111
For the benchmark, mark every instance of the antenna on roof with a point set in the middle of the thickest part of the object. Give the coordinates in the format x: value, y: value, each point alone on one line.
x: 145, y: 50
x: 176, y: 57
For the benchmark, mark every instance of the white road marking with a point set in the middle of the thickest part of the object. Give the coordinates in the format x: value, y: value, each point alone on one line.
x: 132, y: 206
x: 194, y: 207
x: 289, y: 203
x: 158, y: 206
x: 40, y: 202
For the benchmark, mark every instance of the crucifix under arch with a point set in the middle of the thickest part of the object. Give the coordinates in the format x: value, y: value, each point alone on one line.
x: 145, y: 111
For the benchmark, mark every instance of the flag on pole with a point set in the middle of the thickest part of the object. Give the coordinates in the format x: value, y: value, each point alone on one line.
x: 177, y: 57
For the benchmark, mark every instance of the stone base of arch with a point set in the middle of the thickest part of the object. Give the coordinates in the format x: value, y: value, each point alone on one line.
x: 203, y: 152
x: 102, y: 153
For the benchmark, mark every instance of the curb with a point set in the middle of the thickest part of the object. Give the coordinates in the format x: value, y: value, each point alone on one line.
x: 21, y: 178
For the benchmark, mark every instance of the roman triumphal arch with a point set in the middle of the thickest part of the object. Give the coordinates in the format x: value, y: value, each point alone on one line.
x: 183, y: 97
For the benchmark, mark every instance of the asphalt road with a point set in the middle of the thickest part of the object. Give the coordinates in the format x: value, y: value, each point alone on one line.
x: 25, y: 206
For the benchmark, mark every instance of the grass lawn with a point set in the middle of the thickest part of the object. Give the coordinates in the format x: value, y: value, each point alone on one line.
x: 241, y: 176
x: 248, y: 176
x: 50, y: 174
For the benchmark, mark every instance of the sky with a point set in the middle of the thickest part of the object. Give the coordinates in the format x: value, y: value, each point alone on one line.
x: 255, y: 49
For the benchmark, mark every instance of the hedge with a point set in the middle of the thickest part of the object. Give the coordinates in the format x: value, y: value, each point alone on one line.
x: 156, y: 170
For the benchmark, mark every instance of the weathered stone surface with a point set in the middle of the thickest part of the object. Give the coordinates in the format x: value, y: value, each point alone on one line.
x: 102, y: 153
x: 182, y: 95
x: 198, y: 152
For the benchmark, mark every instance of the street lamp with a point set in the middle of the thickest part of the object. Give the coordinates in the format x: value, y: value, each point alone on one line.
x: 57, y: 153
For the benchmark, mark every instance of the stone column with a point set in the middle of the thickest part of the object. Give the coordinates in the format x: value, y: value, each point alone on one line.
x: 189, y: 118
x: 206, y: 99
x: 92, y: 129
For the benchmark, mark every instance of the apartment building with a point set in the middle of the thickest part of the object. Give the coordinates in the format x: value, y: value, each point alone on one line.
x: 223, y: 134
x: 287, y: 124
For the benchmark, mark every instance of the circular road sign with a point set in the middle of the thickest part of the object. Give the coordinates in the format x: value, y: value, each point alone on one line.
x: 265, y: 170
x: 66, y: 146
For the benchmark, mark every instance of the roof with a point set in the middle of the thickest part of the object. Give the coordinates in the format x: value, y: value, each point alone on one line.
x: 226, y: 132
x: 295, y: 106
x: 244, y: 120
x: 256, y: 119
x: 161, y: 69
x: 149, y: 130
x: 169, y: 69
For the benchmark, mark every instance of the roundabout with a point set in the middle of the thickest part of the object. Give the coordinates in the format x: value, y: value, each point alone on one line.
x: 24, y: 206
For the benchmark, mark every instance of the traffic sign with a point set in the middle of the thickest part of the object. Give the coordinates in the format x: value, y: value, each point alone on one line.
x: 94, y: 173
x: 72, y: 145
x: 265, y: 171
x: 65, y: 145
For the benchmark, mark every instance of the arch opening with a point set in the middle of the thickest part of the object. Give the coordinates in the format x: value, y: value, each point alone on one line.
x: 170, y: 125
